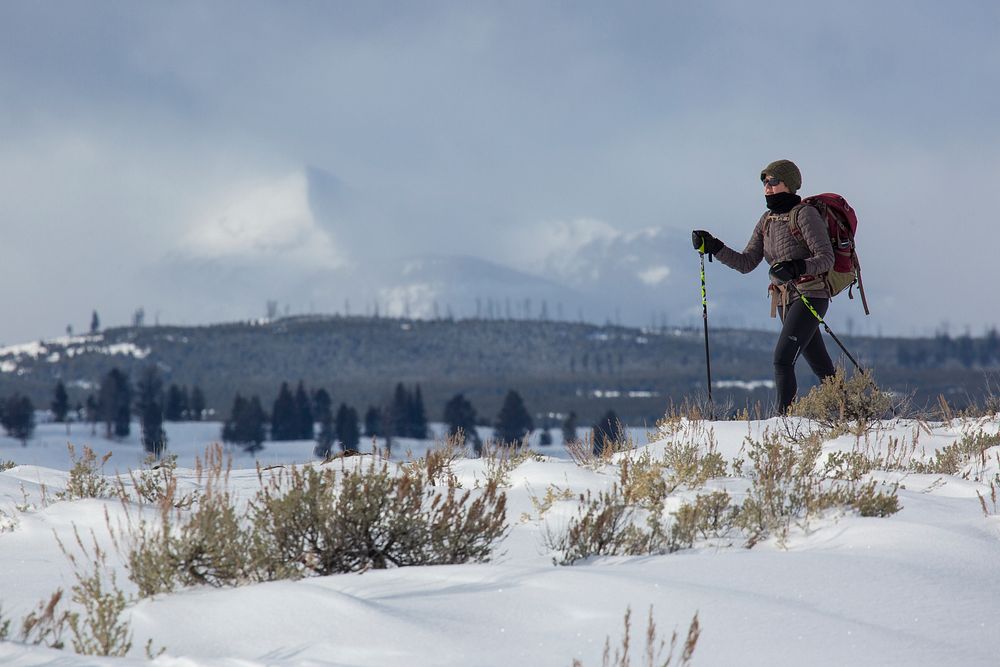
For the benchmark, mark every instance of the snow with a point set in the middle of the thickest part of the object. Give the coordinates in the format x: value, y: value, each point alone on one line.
x: 70, y: 346
x: 916, y: 588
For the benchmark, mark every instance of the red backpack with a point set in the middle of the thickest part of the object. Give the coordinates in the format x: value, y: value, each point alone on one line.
x: 842, y: 224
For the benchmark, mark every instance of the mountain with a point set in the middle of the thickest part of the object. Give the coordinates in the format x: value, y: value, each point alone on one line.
x: 310, y: 244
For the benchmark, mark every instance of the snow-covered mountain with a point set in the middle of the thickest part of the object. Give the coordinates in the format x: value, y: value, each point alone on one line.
x: 311, y: 244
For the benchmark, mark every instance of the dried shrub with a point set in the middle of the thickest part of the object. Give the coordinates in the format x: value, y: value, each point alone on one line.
x: 992, y: 508
x: 45, y: 626
x: 6, y: 465
x: 375, y: 519
x: 593, y: 451
x: 157, y: 482
x: 317, y: 521
x: 501, y: 460
x: 7, y: 522
x: 100, y: 628
x: 969, y: 449
x: 786, y: 487
x: 553, y: 494
x: 691, y: 464
x: 870, y: 501
x: 436, y: 464
x: 4, y: 626
x: 657, y: 653
x: 206, y: 545
x: 643, y: 481
x: 604, y: 526
x: 85, y: 479
x: 709, y: 516
x: 845, y: 405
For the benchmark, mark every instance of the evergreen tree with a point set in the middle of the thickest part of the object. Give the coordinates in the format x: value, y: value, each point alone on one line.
x: 229, y: 433
x: 95, y: 323
x: 93, y: 409
x: 569, y: 427
x: 60, y: 404
x: 348, y: 432
x: 284, y: 422
x: 116, y: 404
x: 460, y: 416
x: 149, y: 405
x: 513, y: 422
x: 196, y: 406
x: 250, y: 427
x: 18, y: 418
x: 418, y: 416
x: 373, y: 422
x: 400, y: 412
x: 176, y: 406
x: 304, y: 419
x: 323, y: 411
x: 245, y: 425
x: 606, y: 431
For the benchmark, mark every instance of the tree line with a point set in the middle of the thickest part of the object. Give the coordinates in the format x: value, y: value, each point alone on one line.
x: 305, y: 415
x: 298, y: 415
x: 114, y: 405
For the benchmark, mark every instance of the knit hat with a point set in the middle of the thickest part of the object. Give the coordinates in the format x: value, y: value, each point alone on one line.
x: 786, y: 171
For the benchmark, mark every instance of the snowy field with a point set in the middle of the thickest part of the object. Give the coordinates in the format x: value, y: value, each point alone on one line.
x: 915, y: 588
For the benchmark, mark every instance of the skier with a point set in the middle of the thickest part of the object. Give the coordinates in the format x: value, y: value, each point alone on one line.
x: 790, y: 260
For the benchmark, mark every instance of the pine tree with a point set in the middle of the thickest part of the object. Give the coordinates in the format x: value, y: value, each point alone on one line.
x: 95, y: 323
x: 93, y: 409
x: 284, y: 424
x: 60, y: 404
x: 569, y: 427
x: 245, y: 425
x: 348, y: 432
x: 149, y: 405
x: 418, y: 416
x: 606, y: 431
x: 18, y: 418
x: 304, y: 419
x: 229, y: 433
x: 460, y: 417
x: 196, y: 406
x: 400, y: 412
x: 323, y: 411
x: 373, y: 422
x: 513, y: 422
x: 176, y: 406
x: 116, y: 404
x: 250, y: 428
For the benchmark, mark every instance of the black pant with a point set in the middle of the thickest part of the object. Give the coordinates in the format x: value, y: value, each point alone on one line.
x: 799, y: 333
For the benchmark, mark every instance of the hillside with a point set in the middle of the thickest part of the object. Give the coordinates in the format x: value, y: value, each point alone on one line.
x: 557, y: 366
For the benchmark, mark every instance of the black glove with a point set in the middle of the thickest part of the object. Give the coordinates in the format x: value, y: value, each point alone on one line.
x: 705, y: 242
x: 788, y: 270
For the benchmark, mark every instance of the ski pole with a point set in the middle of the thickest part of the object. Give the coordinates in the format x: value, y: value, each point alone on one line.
x: 704, y: 316
x: 825, y: 326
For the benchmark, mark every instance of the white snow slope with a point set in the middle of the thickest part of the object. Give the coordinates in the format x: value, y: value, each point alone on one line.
x: 917, y: 588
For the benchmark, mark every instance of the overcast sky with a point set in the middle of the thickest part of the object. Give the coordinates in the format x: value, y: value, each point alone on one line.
x: 127, y: 129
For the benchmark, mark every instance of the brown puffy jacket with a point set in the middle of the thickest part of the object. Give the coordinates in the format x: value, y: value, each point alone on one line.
x: 773, y: 241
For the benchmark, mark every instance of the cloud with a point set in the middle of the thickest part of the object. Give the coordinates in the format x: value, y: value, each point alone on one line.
x: 458, y: 126
x: 265, y: 222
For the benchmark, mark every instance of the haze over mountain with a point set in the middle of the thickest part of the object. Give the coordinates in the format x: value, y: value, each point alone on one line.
x: 310, y: 244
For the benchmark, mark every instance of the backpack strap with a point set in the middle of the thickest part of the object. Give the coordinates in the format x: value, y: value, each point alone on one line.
x: 793, y: 222
x: 779, y: 299
x: 861, y: 285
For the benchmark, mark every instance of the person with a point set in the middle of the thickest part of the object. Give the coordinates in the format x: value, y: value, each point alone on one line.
x: 792, y: 261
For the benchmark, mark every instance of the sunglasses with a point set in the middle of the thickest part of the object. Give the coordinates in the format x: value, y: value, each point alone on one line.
x: 771, y: 181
